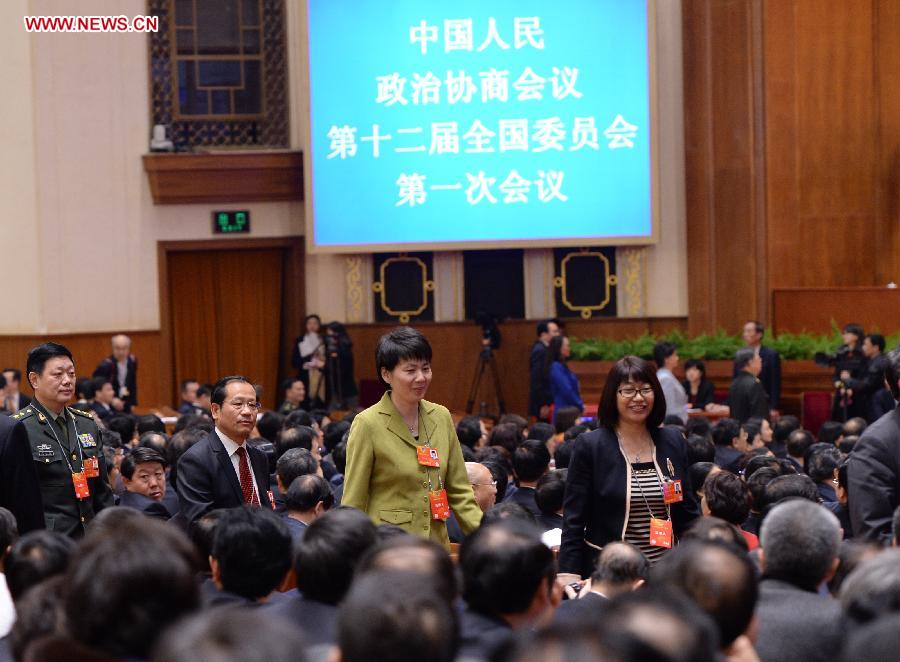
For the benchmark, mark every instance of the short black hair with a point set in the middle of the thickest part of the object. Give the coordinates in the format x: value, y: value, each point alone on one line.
x: 855, y: 426
x: 760, y: 329
x: 17, y: 374
x: 793, y: 485
x: 329, y: 551
x: 620, y: 563
x: 38, y: 356
x: 855, y: 329
x: 742, y: 358
x: 306, y: 491
x: 253, y: 549
x: 783, y: 427
x: 298, y: 417
x: 295, y: 436
x: 757, y: 462
x: 631, y: 368
x: 821, y: 461
x: 333, y: 434
x: 414, y: 554
x: 663, y: 350
x: 269, y: 425
x: 97, y: 384
x: 696, y: 363
x: 339, y: 456
x: 182, y: 387
x: 394, y: 615
x: 83, y: 388
x: 725, y: 430
x: 217, y: 396
x: 698, y: 472
x: 288, y: 383
x: 468, y: 431
x: 716, y: 529
x: 798, y: 442
x: 543, y: 327
x: 830, y: 431
x: 727, y: 497
x: 878, y: 340
x: 509, y: 510
x: 699, y: 425
x: 562, y: 455
x: 848, y: 443
x: 38, y: 614
x: 9, y: 531
x: 506, y: 436
x: 574, y: 431
x: 530, y: 460
x: 503, y: 565
x: 757, y: 482
x: 565, y: 417
x: 294, y: 463
x: 700, y: 449
x: 720, y: 580
x: 127, y: 584
x: 550, y: 490
x: 150, y: 423
x: 203, y: 532
x: 541, y: 431
x: 403, y: 343
x: 499, y: 475
x: 124, y: 424
x: 138, y: 456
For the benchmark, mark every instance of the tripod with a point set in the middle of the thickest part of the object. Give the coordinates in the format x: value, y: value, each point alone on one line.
x: 486, y: 361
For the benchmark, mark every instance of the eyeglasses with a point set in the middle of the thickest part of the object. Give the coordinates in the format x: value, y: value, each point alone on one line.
x: 240, y: 404
x: 629, y: 392
x: 493, y: 483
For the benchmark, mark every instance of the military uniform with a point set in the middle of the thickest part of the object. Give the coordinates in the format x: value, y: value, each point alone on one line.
x: 58, y: 448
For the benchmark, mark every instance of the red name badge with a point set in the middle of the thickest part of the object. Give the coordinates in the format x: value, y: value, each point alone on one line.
x: 272, y: 499
x: 661, y: 533
x: 672, y: 492
x: 79, y: 481
x: 440, y: 508
x: 428, y: 457
x: 91, y: 467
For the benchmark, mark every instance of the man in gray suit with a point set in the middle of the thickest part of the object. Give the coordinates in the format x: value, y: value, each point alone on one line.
x: 800, y: 541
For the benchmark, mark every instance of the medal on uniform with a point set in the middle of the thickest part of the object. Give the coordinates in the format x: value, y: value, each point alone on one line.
x: 428, y: 456
x: 91, y: 467
x: 440, y: 508
x: 661, y: 533
x: 87, y: 440
x: 79, y: 481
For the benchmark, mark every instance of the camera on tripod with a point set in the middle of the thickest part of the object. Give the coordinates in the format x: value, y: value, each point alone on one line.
x: 490, y: 331
x: 490, y: 340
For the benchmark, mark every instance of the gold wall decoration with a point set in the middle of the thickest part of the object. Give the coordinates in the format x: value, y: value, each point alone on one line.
x: 609, y: 281
x: 631, y: 266
x: 380, y: 287
x: 353, y: 281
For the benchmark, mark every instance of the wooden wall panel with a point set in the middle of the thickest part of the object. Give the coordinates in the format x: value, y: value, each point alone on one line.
x: 89, y: 349
x: 456, y: 346
x: 887, y: 146
x: 813, y: 309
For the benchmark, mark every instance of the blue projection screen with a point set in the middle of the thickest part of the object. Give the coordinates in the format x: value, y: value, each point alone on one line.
x: 479, y: 123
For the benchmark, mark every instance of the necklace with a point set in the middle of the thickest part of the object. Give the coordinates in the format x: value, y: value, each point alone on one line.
x: 637, y: 454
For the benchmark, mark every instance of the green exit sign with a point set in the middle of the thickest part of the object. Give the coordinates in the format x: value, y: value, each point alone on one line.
x: 230, y: 222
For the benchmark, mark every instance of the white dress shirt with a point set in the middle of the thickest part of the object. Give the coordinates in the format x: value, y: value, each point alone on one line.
x: 231, y: 448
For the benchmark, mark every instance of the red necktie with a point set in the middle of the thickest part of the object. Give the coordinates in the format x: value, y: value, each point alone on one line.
x: 246, y: 478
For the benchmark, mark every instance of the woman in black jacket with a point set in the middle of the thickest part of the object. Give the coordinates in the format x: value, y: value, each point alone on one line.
x: 699, y: 389
x: 628, y: 480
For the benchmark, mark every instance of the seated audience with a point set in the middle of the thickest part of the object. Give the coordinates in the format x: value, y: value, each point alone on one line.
x: 325, y: 561
x: 509, y: 582
x: 414, y: 554
x: 700, y: 449
x: 508, y: 510
x: 822, y: 461
x: 519, y: 421
x: 756, y: 483
x: 188, y: 396
x: 292, y: 464
x: 798, y: 444
x: 713, y: 529
x: 872, y: 590
x: 36, y: 556
x: 9, y: 533
x: 700, y: 391
x: 727, y: 497
x: 541, y: 431
x: 531, y: 460
x: 230, y: 635
x: 847, y: 443
x: 39, y: 614
x: 294, y: 393
x: 699, y: 472
x: 851, y: 554
x: 150, y: 423
x: 562, y: 454
x: 101, y: 400
x: 790, y: 486
x: 621, y: 567
x: 483, y: 484
x: 721, y: 581
x: 471, y: 432
x: 731, y: 443
x: 831, y: 432
x: 548, y: 496
x: 781, y: 430
x: 307, y: 499
x: 269, y: 425
x: 506, y: 436
x: 747, y: 397
x: 251, y: 554
x: 143, y: 472
x: 855, y: 426
x: 800, y: 542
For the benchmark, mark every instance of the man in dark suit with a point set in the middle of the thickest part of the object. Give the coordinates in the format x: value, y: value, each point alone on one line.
x: 800, y: 542
x: 13, y: 400
x: 189, y: 389
x: 120, y: 369
x: 621, y: 567
x: 222, y: 471
x: 731, y: 443
x: 872, y: 470
x: 144, y: 475
x: 747, y: 397
x: 102, y: 401
x: 770, y: 376
x: 530, y: 461
x: 539, y: 396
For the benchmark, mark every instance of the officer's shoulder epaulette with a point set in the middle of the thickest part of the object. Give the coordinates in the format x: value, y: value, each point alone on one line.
x: 80, y: 412
x: 25, y: 413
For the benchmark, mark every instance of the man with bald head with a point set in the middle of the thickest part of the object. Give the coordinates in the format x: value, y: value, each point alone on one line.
x: 120, y: 369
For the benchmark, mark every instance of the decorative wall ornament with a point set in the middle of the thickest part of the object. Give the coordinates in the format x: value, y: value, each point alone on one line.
x: 585, y: 282
x: 632, y: 267
x: 353, y: 281
x: 403, y: 287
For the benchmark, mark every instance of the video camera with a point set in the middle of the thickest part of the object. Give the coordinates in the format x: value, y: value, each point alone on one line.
x: 490, y: 331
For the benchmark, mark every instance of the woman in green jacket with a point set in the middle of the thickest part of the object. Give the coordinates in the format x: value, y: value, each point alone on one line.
x: 404, y: 462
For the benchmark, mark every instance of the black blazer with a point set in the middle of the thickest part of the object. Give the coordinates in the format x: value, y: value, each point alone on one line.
x: 706, y: 393
x: 206, y: 478
x: 108, y: 370
x: 873, y: 474
x: 19, y: 491
x: 596, y: 487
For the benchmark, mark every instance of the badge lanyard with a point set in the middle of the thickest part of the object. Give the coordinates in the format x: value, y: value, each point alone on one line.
x: 427, y: 472
x: 78, y: 477
x: 641, y: 487
x: 440, y: 509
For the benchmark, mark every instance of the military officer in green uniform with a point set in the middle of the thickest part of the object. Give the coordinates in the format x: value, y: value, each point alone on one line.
x: 61, y: 444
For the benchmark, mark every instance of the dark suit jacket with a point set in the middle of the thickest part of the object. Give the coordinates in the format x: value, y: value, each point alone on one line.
x: 108, y: 370
x: 480, y: 635
x: 747, y: 398
x: 796, y: 625
x: 21, y: 496
x: 145, y: 505
x: 706, y: 393
x: 524, y: 496
x: 207, y: 480
x: 102, y: 411
x: 874, y: 479
x: 316, y: 620
x: 584, y: 610
x: 770, y: 377
x: 595, y: 501
x: 728, y: 457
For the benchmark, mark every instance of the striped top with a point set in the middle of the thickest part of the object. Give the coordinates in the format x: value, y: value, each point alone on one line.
x: 644, y: 477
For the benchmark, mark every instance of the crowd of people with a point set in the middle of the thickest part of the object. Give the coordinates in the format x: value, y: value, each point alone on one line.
x: 394, y: 533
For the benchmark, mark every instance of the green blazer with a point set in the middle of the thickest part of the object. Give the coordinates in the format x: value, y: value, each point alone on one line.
x: 384, y: 478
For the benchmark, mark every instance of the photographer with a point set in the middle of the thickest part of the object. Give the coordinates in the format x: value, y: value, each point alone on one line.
x: 340, y: 383
x: 849, y: 366
x: 870, y: 390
